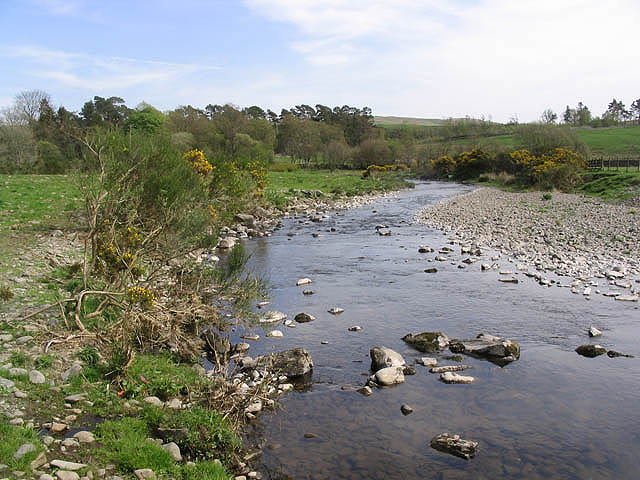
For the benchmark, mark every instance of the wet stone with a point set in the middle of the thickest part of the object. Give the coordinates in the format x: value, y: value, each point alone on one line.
x: 591, y: 351
x: 454, y: 445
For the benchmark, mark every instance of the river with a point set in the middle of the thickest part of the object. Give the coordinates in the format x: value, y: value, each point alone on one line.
x: 551, y: 414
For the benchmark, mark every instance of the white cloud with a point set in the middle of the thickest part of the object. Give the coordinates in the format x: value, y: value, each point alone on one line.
x: 98, y: 73
x: 458, y: 57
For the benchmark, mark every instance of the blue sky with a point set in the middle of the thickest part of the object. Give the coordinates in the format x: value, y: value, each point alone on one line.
x: 421, y: 58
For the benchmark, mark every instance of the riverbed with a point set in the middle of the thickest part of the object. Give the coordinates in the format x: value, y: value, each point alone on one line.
x: 551, y: 414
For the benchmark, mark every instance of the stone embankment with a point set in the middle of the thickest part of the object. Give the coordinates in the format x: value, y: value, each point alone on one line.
x: 569, y: 235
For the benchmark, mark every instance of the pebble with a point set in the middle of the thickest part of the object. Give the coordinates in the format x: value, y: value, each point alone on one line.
x: 155, y: 401
x: 84, y: 436
x: 67, y: 475
x: 23, y: 450
x: 64, y: 465
x: 406, y: 409
x: 275, y: 333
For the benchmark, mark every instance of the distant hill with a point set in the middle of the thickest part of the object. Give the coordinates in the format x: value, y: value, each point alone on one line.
x: 425, y: 122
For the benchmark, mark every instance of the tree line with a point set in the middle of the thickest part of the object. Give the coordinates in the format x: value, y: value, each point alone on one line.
x: 36, y: 136
x: 616, y: 114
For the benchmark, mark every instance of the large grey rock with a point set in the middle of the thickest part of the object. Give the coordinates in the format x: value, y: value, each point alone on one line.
x: 67, y: 475
x: 227, y: 243
x: 382, y: 357
x: 6, y: 383
x: 453, y: 444
x: 245, y: 219
x: 64, y: 465
x: 23, y: 450
x: 488, y: 346
x: 304, y: 318
x: 36, y: 377
x: 174, y: 451
x: 427, y: 342
x: 272, y: 316
x: 389, y: 376
x: 144, y: 474
x: 591, y: 351
x: 292, y: 363
x: 72, y: 372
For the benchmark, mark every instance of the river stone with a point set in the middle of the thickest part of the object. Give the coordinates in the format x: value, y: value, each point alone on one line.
x: 406, y: 409
x: 355, y: 328
x: 75, y: 398
x: 67, y: 475
x: 6, y: 383
x: 431, y: 270
x: 427, y: 342
x: 73, y: 466
x: 227, y: 243
x: 366, y: 391
x: 591, y: 351
x: 84, y: 436
x: 15, y: 371
x: 428, y: 361
x: 144, y: 474
x: 335, y: 310
x: 613, y: 354
x: 23, y: 450
x: 272, y: 316
x: 449, y: 368
x: 36, y: 377
x: 627, y: 298
x: 304, y: 281
x: 424, y: 249
x: 453, y: 444
x: 450, y: 377
x: 389, y: 376
x: 292, y: 363
x: 304, y: 318
x: 245, y: 219
x: 275, y: 334
x: 382, y: 357
x: 594, y: 332
x: 488, y: 346
x: 174, y: 451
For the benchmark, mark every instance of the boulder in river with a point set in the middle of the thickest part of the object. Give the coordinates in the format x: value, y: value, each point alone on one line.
x: 291, y: 363
x: 424, y: 249
x: 453, y: 444
x: 303, y: 281
x: 382, y: 357
x: 427, y: 342
x: 272, y: 316
x: 430, y: 270
x: 304, y: 318
x: 495, y: 349
x: 594, y: 332
x: 389, y: 376
x: 591, y: 351
x: 245, y: 219
x: 335, y: 310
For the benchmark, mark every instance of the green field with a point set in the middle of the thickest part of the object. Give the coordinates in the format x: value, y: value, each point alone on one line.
x: 612, y: 141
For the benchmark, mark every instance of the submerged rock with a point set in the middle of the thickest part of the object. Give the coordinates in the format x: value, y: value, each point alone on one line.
x: 491, y: 347
x: 382, y: 357
x: 427, y: 342
x: 291, y: 363
x: 431, y: 270
x: 453, y: 444
x: 613, y: 354
x: 591, y: 351
x: 449, y: 368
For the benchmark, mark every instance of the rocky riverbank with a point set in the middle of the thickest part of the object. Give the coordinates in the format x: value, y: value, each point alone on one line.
x: 572, y: 236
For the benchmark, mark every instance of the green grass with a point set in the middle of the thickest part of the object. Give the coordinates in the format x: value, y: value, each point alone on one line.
x: 46, y: 199
x: 12, y: 438
x: 611, y: 184
x: 124, y: 442
x: 281, y: 186
x: 612, y: 141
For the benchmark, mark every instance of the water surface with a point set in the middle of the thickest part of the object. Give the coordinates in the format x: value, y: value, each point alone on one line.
x: 552, y: 414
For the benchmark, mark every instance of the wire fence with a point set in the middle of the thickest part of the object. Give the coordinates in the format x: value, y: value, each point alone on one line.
x: 619, y: 162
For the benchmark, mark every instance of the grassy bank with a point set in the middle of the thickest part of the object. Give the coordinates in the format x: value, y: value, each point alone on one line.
x: 283, y: 186
x: 612, y: 141
x: 611, y: 184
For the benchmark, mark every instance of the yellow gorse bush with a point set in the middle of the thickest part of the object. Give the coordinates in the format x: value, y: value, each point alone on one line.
x: 199, y: 162
x: 372, y: 170
x: 557, y: 168
x: 142, y: 296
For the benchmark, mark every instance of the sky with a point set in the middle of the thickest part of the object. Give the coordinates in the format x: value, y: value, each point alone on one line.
x: 497, y: 59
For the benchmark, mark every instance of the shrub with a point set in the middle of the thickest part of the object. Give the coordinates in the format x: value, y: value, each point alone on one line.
x: 547, y: 196
x: 557, y: 169
x: 444, y: 166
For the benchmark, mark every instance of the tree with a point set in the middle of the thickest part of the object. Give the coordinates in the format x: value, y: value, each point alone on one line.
x: 25, y: 109
x: 616, y: 112
x: 548, y: 116
x: 148, y: 119
x: 583, y: 115
x: 635, y: 109
x: 100, y: 111
x: 569, y: 116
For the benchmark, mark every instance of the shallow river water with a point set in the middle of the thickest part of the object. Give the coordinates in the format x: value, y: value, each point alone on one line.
x: 551, y: 414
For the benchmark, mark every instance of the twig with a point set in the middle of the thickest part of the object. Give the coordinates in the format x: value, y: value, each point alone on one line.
x: 44, y: 309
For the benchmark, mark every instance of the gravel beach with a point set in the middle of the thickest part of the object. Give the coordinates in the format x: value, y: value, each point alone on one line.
x: 568, y: 234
